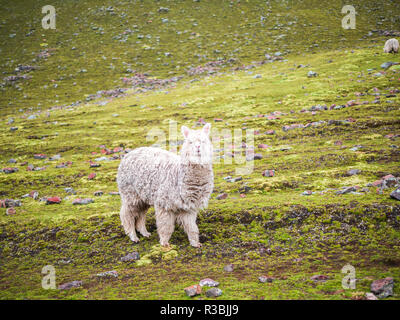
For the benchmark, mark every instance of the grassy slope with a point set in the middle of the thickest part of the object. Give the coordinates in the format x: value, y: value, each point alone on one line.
x: 307, y: 235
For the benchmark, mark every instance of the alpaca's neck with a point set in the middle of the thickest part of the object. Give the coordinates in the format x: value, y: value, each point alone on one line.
x: 196, y: 173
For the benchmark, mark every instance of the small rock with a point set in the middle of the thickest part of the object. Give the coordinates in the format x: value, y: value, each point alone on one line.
x: 245, y: 189
x: 346, y: 190
x: 264, y: 279
x: 108, y: 274
x: 53, y: 200
x: 387, y: 65
x: 395, y: 194
x: 383, y: 288
x: 353, y: 172
x: 39, y: 156
x: 263, y: 146
x: 193, y: 290
x: 235, y: 179
x: 229, y: 268
x: 10, y: 211
x: 9, y: 170
x: 55, y: 157
x: 70, y: 190
x: 34, y: 194
x: 10, y: 203
x: 222, y: 196
x: 208, y: 282
x: 268, y: 173
x: 92, y: 176
x: 370, y: 296
x: 319, y: 277
x: 131, y: 257
x: 82, y: 201
x: 311, y: 74
x: 307, y: 193
x: 256, y: 156
x: 213, y: 292
x: 98, y: 193
x: 69, y: 285
x: 95, y: 165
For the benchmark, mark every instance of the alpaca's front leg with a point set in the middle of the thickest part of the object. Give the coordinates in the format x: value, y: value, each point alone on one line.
x: 188, y: 221
x: 165, y: 221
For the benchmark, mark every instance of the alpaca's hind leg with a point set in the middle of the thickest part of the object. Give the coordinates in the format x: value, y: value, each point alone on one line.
x: 128, y: 217
x: 188, y: 221
x: 141, y: 221
x: 165, y: 221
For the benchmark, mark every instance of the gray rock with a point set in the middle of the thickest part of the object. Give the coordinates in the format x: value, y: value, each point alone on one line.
x: 208, y: 282
x: 222, y: 196
x: 353, y: 172
x: 131, y: 257
x: 346, y: 190
x: 311, y: 74
x: 370, y: 296
x: 213, y: 292
x: 108, y: 274
x: 229, y: 268
x: 82, y: 201
x: 319, y: 277
x: 69, y: 285
x: 264, y: 279
x: 395, y: 194
x: 383, y: 288
x: 388, y: 64
x: 70, y: 190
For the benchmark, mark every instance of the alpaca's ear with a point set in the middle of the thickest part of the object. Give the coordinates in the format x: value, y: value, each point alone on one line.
x: 207, y: 128
x: 185, y: 131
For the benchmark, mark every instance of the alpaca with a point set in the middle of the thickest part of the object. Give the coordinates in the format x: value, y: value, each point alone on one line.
x: 391, y: 46
x: 176, y: 185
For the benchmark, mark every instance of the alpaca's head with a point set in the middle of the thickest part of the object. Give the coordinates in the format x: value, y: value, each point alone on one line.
x: 197, y: 147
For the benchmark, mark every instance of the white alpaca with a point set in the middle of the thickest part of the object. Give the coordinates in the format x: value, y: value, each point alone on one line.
x: 391, y: 46
x: 177, y: 186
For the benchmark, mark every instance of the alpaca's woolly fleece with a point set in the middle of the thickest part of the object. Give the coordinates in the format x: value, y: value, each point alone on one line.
x: 391, y: 46
x: 177, y: 186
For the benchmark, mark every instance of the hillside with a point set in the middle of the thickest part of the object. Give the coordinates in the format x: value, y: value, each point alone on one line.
x: 111, y: 75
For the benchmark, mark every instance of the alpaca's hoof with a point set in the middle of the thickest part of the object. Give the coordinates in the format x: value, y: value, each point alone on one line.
x: 196, y: 245
x: 145, y: 234
x: 133, y: 237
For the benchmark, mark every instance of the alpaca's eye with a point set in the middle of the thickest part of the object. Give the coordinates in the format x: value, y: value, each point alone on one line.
x: 191, y: 142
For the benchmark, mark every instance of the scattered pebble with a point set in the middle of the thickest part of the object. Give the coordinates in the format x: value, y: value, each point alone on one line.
x: 131, y: 257
x: 229, y: 268
x: 193, y: 290
x: 383, y: 288
x: 82, y: 201
x: 69, y: 285
x: 208, y: 282
x: 222, y: 196
x: 108, y: 274
x: 213, y: 292
x: 53, y: 200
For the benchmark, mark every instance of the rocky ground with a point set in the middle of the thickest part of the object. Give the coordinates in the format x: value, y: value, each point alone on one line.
x: 324, y: 104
